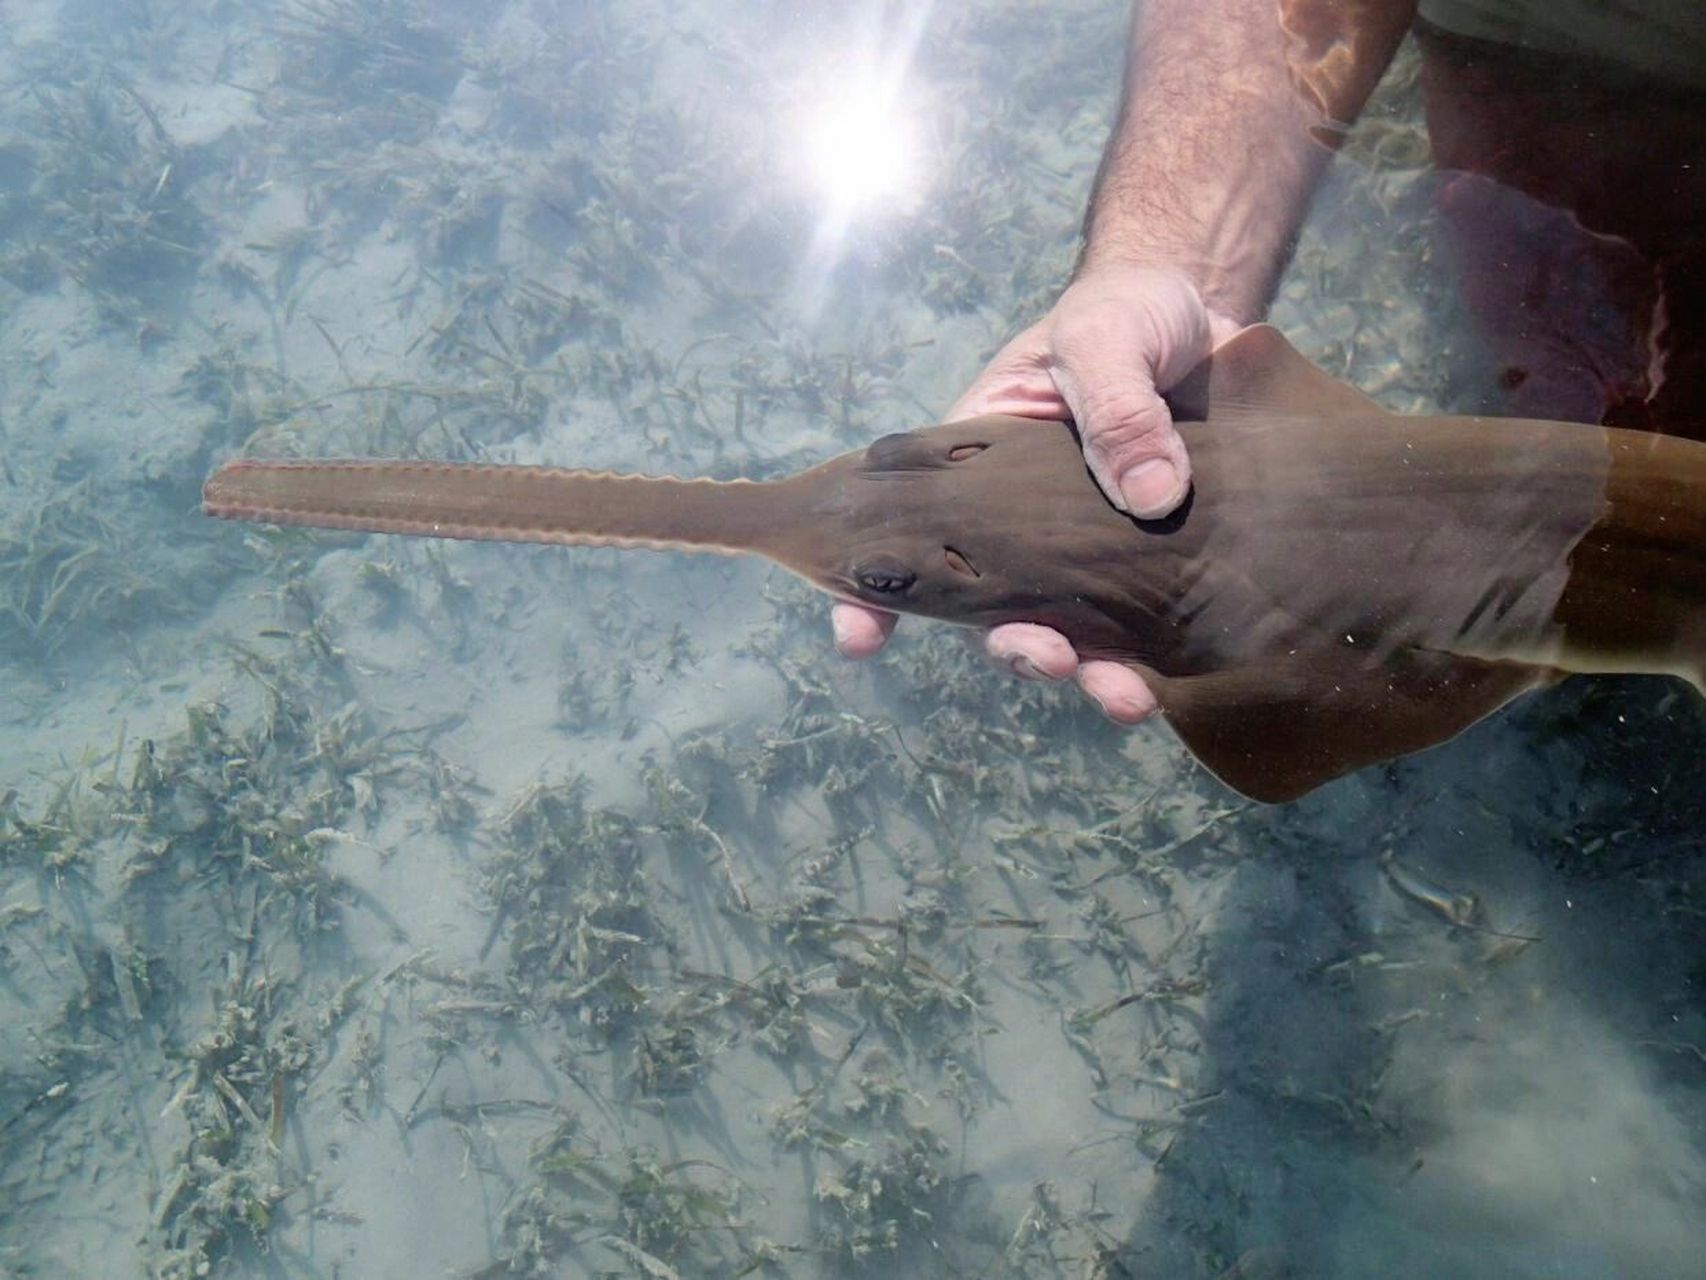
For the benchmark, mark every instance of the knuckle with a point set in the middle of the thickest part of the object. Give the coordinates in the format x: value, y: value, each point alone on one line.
x: 1125, y: 425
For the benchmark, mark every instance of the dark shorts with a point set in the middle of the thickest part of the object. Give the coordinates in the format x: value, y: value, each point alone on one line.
x: 1575, y: 195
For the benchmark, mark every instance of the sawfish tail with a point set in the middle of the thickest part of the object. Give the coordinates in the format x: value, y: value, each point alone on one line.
x: 503, y: 503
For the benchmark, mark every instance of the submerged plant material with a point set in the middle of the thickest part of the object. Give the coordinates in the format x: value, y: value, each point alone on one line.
x: 109, y: 205
x: 366, y: 906
x: 231, y: 805
x: 67, y: 573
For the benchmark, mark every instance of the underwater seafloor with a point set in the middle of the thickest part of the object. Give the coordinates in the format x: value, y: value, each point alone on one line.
x: 377, y: 908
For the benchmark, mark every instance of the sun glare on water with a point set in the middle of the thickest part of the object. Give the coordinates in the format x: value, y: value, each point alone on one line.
x: 862, y: 147
x: 856, y: 126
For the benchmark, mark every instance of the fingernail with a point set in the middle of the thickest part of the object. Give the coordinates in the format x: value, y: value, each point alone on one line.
x: 838, y: 631
x: 1126, y: 711
x: 1023, y: 667
x: 1151, y: 489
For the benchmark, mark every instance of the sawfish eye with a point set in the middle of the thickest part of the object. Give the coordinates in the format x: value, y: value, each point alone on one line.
x: 960, y: 452
x: 884, y: 578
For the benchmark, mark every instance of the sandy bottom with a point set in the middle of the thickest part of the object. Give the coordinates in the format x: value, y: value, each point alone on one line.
x: 376, y: 908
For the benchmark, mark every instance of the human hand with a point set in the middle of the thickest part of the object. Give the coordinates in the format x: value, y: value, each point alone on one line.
x: 1117, y: 337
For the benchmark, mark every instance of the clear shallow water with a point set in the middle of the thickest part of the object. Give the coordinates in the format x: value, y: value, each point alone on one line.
x: 369, y: 907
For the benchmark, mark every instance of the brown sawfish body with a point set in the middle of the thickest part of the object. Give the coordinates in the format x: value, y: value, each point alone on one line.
x: 1344, y: 585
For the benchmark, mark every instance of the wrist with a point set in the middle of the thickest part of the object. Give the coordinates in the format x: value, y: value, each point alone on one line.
x: 1231, y: 302
x: 1213, y: 159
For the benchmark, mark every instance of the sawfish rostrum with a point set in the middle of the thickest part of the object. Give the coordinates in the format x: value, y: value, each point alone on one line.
x: 1343, y: 586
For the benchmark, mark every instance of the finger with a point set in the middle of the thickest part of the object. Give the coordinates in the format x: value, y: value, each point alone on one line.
x: 1016, y: 381
x: 1130, y: 445
x: 1030, y: 651
x: 1037, y: 398
x: 860, y: 632
x: 1134, y: 452
x: 1109, y: 356
x: 1119, y: 691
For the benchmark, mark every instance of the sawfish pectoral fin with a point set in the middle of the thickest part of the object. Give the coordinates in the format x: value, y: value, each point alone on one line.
x: 1275, y: 732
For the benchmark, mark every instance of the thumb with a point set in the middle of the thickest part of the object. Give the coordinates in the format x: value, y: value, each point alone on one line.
x: 1130, y: 445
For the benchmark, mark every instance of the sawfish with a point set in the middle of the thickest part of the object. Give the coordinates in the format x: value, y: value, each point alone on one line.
x: 1343, y: 585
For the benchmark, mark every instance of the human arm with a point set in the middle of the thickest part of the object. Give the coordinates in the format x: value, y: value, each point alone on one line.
x: 1226, y: 122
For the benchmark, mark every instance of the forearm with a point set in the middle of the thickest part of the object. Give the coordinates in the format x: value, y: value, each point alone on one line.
x: 1226, y: 123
